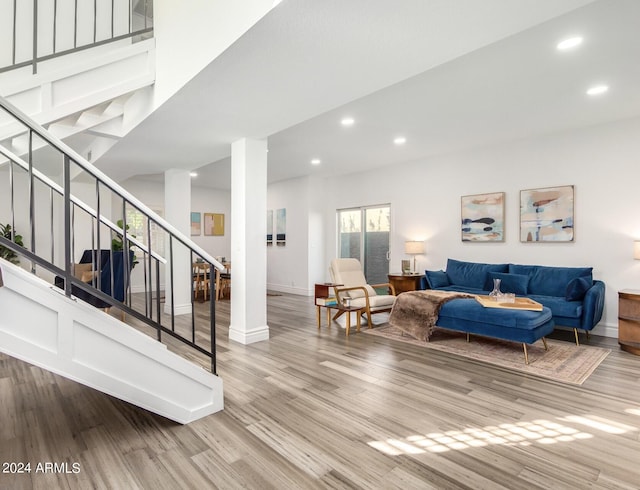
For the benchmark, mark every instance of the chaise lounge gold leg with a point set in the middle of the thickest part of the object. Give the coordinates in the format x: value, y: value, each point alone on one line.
x: 575, y: 332
x: 468, y: 337
x: 588, y: 334
x: 544, y: 341
x: 526, y: 355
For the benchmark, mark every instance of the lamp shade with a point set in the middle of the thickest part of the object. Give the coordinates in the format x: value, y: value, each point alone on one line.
x: 636, y: 250
x: 413, y: 247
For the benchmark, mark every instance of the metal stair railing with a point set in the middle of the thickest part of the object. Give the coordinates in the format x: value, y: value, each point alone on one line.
x: 61, y: 204
x: 44, y: 30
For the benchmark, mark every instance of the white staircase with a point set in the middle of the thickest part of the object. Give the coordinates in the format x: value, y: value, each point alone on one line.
x: 43, y: 327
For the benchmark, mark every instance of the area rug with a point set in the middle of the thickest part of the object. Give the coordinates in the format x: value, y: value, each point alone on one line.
x: 564, y: 361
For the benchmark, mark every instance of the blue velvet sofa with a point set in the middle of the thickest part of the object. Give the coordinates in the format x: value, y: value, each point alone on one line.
x: 575, y: 299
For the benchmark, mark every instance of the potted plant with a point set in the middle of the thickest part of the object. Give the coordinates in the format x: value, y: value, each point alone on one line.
x: 117, y: 245
x: 7, y: 253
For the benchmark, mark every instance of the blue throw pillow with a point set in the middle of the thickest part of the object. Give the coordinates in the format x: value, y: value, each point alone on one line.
x: 578, y: 287
x: 437, y: 279
x: 510, y: 283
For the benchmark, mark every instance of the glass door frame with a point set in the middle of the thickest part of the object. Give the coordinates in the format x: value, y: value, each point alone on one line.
x: 363, y: 233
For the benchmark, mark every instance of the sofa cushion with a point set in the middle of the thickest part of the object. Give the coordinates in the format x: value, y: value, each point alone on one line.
x: 469, y: 310
x: 509, y: 283
x: 559, y: 306
x: 472, y: 274
x: 577, y: 288
x: 550, y: 281
x: 464, y: 289
x: 437, y: 279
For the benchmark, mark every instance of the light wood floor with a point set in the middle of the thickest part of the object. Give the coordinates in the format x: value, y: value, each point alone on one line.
x: 313, y: 409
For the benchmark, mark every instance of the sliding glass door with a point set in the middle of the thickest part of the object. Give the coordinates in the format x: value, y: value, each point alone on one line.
x: 363, y: 234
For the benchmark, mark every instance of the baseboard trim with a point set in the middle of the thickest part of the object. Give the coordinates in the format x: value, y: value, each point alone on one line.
x: 290, y: 289
x: 606, y: 330
x: 601, y: 329
x: 139, y: 288
x: 178, y: 309
x: 249, y: 337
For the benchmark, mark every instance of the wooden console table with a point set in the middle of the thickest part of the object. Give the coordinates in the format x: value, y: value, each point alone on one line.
x: 405, y: 282
x: 629, y: 320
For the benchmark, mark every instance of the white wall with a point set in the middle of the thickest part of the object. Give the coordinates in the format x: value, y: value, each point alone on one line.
x: 203, y: 200
x: 288, y: 265
x: 603, y: 163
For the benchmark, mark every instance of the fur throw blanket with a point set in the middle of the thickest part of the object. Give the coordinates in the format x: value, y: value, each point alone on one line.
x: 416, y: 312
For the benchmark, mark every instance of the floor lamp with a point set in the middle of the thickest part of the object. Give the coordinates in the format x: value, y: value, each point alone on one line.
x: 413, y: 247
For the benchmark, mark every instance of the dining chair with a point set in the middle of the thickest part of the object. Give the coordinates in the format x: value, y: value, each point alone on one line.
x: 201, y: 279
x: 223, y: 285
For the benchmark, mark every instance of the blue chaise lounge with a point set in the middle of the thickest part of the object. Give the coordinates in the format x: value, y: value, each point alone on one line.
x: 575, y: 299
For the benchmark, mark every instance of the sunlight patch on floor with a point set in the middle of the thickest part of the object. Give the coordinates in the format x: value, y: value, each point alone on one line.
x: 520, y: 433
x: 600, y: 424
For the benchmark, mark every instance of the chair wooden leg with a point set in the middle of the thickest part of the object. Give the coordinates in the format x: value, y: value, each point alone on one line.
x: 575, y: 332
x: 544, y: 341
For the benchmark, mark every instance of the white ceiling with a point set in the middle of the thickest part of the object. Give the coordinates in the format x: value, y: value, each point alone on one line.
x: 447, y: 75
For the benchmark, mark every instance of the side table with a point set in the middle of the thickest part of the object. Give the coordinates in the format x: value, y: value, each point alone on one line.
x: 405, y: 282
x: 324, y: 299
x: 629, y: 320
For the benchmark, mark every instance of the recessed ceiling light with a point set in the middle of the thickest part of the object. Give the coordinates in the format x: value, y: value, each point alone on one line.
x: 569, y: 43
x: 315, y: 161
x: 347, y: 121
x: 193, y: 174
x: 400, y: 140
x: 597, y: 90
